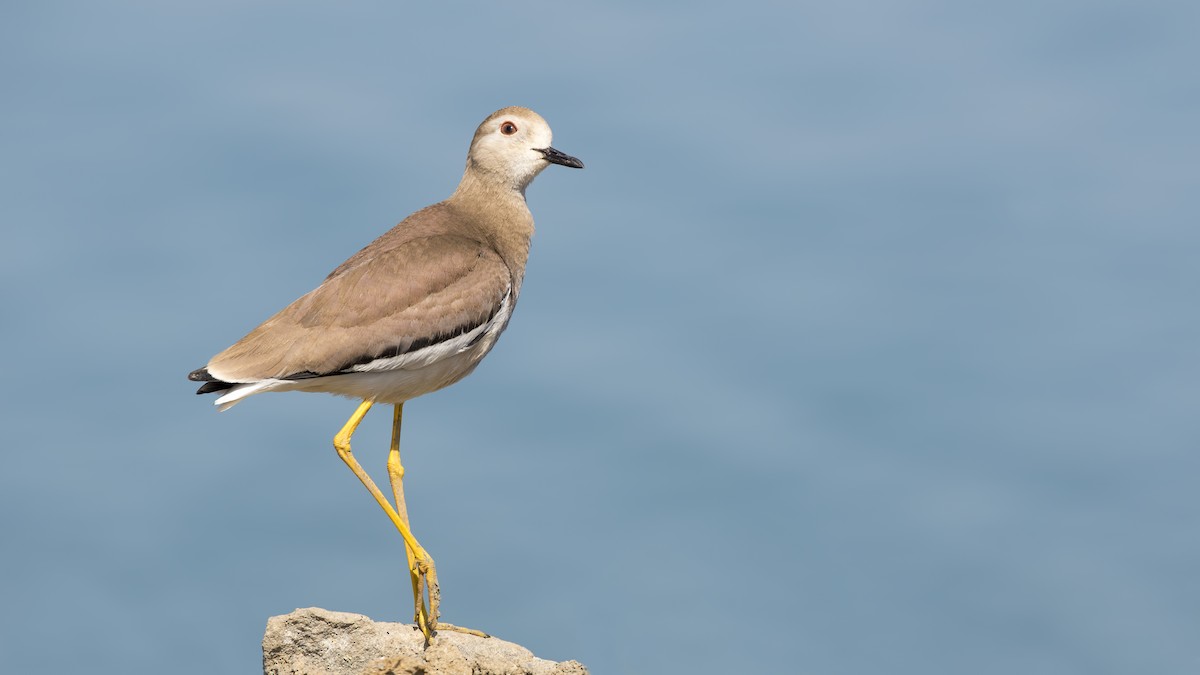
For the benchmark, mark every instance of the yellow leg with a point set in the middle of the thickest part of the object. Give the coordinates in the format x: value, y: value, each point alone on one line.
x: 426, y: 575
x: 396, y: 474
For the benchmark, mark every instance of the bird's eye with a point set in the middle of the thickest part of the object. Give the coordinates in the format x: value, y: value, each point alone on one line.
x: 508, y: 128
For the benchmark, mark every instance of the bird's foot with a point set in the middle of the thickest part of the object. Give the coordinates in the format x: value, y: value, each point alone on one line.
x: 427, y: 595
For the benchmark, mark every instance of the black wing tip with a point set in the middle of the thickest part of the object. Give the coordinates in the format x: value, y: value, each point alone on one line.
x: 201, y: 375
x: 213, y: 387
x: 211, y: 384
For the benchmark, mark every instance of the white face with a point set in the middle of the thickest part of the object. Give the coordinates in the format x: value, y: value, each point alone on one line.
x: 509, y: 146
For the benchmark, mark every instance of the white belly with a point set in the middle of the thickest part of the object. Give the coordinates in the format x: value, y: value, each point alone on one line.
x: 398, y: 385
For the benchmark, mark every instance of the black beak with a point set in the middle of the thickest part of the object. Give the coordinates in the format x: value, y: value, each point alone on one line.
x: 555, y: 157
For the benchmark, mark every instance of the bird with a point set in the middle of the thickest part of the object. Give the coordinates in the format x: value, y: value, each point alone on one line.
x: 412, y: 312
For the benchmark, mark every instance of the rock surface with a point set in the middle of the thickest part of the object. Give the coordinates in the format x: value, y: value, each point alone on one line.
x: 316, y: 641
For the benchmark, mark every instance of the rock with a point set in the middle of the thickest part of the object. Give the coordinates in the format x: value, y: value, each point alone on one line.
x: 316, y: 641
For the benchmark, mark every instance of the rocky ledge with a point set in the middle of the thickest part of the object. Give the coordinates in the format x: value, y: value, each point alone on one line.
x: 316, y: 641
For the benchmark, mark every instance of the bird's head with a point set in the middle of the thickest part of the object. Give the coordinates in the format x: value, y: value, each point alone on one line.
x: 512, y: 147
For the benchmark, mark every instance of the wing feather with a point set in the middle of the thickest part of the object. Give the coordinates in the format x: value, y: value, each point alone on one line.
x: 407, y: 295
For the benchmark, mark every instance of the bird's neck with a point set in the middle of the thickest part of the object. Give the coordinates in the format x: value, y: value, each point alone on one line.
x: 503, y: 216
